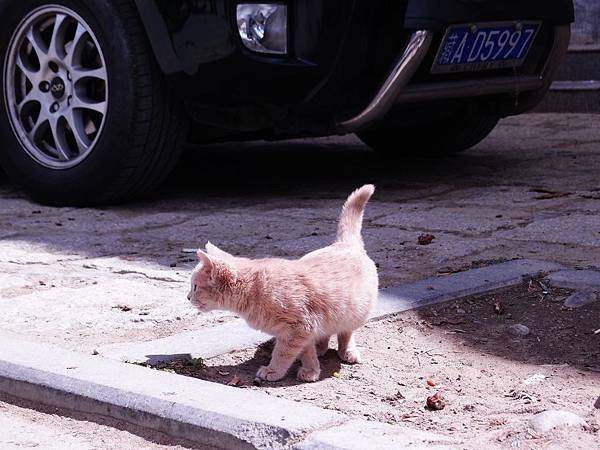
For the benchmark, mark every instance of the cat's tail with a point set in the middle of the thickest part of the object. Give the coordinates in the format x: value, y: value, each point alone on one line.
x: 351, y: 218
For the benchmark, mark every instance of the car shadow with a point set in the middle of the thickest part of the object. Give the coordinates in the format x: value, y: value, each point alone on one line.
x: 319, y: 167
x: 216, y: 178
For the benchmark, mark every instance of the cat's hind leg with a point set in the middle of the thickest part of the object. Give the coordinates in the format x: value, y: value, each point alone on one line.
x: 347, y: 350
x: 322, y: 345
x: 311, y: 369
x: 286, y: 351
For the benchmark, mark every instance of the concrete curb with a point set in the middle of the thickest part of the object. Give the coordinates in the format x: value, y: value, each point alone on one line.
x: 576, y: 279
x: 205, y: 413
x: 209, y: 342
x: 436, y: 290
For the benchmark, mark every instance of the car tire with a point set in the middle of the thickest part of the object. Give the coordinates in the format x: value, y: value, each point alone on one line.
x: 441, y: 137
x: 116, y: 132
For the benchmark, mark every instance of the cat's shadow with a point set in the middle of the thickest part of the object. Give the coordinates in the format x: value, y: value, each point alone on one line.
x: 246, y: 370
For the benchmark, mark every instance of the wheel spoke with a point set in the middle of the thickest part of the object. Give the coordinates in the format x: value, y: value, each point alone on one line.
x: 80, y: 73
x: 40, y: 123
x: 57, y: 44
x: 32, y: 75
x: 75, y: 122
x: 33, y: 96
x: 79, y: 103
x: 21, y: 65
x: 37, y: 45
x: 60, y: 142
x: 73, y: 54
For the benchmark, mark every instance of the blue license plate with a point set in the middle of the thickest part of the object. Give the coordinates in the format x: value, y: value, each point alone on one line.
x: 474, y: 47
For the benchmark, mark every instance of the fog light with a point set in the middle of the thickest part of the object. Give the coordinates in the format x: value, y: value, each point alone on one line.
x: 263, y: 27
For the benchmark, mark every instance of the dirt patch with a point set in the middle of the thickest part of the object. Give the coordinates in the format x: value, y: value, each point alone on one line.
x: 492, y: 380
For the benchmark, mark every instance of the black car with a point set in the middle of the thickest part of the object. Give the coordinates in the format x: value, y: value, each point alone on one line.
x: 98, y: 96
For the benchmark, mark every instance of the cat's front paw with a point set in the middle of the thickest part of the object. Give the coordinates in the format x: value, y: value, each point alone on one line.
x: 350, y: 356
x: 269, y: 374
x: 309, y: 375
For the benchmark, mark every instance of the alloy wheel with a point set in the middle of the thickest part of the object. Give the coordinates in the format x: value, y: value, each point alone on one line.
x: 56, y: 87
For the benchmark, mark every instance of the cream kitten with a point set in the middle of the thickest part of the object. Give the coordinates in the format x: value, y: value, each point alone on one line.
x: 301, y: 302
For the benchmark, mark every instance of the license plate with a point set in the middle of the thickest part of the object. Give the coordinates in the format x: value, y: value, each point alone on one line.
x: 474, y: 47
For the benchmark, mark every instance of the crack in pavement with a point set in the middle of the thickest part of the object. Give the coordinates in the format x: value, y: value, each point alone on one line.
x: 131, y: 272
x: 28, y: 263
x: 134, y: 272
x: 307, y: 434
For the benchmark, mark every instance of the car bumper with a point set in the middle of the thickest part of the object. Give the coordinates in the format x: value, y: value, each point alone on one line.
x: 437, y: 14
x: 514, y: 84
x: 342, y: 60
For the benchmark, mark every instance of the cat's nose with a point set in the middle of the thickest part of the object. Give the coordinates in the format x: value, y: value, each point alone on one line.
x: 189, y: 297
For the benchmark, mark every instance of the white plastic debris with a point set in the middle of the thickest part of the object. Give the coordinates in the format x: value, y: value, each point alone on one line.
x: 534, y: 379
x: 548, y: 420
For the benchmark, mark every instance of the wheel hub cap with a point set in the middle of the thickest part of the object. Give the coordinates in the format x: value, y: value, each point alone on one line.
x: 57, y: 87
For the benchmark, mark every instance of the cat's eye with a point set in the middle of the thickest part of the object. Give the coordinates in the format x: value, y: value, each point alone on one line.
x: 195, y: 286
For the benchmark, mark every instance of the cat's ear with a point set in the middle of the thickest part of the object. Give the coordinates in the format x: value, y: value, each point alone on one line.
x: 207, y: 263
x: 220, y: 272
x: 213, y: 250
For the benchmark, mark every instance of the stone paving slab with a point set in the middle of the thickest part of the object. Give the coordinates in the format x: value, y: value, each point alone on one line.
x: 552, y: 230
x: 204, y: 343
x: 199, y: 411
x: 576, y: 279
x: 209, y: 342
x: 362, y: 434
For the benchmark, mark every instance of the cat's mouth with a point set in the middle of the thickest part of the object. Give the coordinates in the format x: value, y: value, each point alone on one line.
x: 202, y: 307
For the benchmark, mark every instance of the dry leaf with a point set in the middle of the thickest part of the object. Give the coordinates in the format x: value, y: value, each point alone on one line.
x: 426, y: 239
x: 408, y: 417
